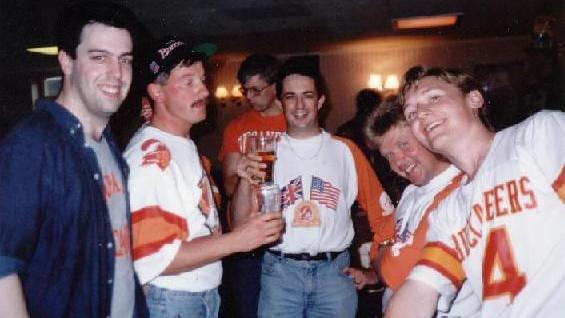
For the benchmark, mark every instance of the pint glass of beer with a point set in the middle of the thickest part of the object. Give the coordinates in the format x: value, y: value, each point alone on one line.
x: 263, y: 146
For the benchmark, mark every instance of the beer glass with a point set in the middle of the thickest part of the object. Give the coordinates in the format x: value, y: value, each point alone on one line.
x: 268, y: 198
x: 263, y: 146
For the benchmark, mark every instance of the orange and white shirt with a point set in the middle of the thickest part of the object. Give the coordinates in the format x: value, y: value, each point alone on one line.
x: 504, y: 230
x: 250, y: 123
x: 416, y: 204
x: 171, y: 202
x: 320, y: 177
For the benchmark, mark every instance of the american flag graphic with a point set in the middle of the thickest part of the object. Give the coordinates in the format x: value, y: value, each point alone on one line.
x: 323, y: 192
x: 291, y: 192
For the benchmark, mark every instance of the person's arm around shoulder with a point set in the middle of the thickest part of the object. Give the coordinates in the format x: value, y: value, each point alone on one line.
x: 414, y: 299
x: 12, y: 302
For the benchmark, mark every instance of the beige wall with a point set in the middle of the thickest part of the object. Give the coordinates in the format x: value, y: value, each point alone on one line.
x: 347, y: 67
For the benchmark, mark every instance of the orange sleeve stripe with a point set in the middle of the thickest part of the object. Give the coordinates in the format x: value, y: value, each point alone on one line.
x: 439, y: 257
x: 152, y: 227
x: 368, y: 194
x: 155, y: 211
x: 150, y: 248
x: 559, y: 185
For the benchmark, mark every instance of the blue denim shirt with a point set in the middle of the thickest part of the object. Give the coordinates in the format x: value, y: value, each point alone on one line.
x: 55, y: 230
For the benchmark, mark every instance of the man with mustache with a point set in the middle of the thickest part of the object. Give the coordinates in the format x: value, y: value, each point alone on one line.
x: 177, y: 238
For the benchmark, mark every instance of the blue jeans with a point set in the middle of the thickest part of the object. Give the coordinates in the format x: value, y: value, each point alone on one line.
x: 166, y: 303
x: 291, y: 288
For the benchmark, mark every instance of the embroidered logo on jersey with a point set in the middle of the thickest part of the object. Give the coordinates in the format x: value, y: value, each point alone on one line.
x: 386, y: 204
x: 111, y: 186
x: 204, y: 204
x: 158, y: 154
x: 306, y: 214
x: 403, y: 237
x: 207, y: 206
x: 291, y: 192
x: 559, y: 185
x: 324, y: 192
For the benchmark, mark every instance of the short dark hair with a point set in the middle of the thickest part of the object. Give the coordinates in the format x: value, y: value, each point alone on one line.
x: 384, y: 117
x: 301, y: 65
x: 463, y: 81
x: 263, y: 65
x: 74, y: 17
x: 366, y: 100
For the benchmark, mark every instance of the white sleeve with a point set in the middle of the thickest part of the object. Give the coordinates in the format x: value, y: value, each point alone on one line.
x: 439, y: 266
x: 158, y: 224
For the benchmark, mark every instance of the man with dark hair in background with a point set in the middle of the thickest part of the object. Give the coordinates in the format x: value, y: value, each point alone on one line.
x: 65, y: 227
x: 257, y: 75
x: 320, y: 176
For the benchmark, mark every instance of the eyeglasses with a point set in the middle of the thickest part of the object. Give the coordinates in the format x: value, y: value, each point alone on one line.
x: 254, y: 91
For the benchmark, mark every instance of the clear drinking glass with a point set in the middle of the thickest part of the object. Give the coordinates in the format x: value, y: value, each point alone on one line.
x: 268, y: 198
x: 263, y: 146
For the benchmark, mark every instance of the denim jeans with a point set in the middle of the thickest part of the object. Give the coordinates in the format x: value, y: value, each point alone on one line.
x: 166, y: 303
x: 291, y: 288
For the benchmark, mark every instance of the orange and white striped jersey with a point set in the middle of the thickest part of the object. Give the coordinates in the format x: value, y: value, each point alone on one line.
x: 416, y: 204
x: 509, y: 242
x: 171, y: 202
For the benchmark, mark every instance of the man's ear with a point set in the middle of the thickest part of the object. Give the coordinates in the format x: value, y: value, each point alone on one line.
x: 321, y: 101
x: 475, y: 99
x: 155, y: 91
x: 66, y: 62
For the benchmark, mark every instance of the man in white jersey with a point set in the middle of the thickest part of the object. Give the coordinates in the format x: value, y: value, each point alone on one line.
x: 177, y: 239
x: 503, y: 230
x: 320, y: 176
x: 432, y: 178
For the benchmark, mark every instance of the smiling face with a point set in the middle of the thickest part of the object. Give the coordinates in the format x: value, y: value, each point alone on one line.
x: 181, y: 101
x: 301, y: 104
x: 98, y: 79
x: 407, y: 157
x: 439, y: 114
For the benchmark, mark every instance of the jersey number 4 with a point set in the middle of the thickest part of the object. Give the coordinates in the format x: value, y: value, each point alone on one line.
x: 500, y: 273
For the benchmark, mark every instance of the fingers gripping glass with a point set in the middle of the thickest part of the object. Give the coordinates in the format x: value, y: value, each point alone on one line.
x: 265, y: 147
x: 254, y: 91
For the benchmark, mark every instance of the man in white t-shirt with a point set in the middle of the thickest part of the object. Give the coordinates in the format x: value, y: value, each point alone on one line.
x: 177, y: 240
x: 320, y: 176
x: 503, y: 230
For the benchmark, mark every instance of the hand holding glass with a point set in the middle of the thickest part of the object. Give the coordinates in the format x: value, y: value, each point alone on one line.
x: 263, y: 146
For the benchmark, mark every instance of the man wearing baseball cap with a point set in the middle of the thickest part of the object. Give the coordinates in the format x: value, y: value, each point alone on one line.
x: 177, y: 240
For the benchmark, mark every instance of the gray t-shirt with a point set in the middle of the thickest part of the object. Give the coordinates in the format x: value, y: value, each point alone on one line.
x: 123, y: 298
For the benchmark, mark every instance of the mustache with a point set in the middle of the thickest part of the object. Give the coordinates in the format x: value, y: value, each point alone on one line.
x: 204, y: 100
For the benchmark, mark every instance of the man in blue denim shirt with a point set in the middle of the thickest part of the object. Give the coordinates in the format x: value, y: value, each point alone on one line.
x: 64, y: 225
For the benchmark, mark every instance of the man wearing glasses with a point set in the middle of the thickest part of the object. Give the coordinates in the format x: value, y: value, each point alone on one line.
x: 257, y: 75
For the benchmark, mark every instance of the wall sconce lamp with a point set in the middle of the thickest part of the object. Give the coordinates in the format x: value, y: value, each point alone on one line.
x: 376, y: 82
x: 228, y: 98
